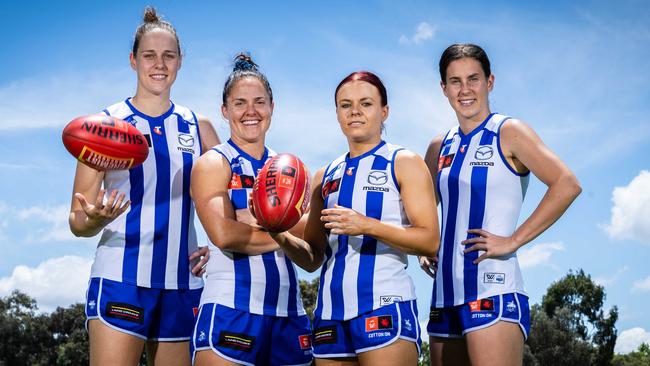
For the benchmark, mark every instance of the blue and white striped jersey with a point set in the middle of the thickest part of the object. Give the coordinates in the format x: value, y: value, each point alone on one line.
x: 263, y: 284
x: 360, y: 273
x: 148, y: 245
x: 478, y: 189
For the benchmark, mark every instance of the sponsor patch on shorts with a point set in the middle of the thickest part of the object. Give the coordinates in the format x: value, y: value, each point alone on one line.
x: 435, y: 315
x: 128, y: 312
x: 379, y: 322
x: 238, y: 341
x: 325, y: 335
x: 481, y: 305
x: 305, y: 341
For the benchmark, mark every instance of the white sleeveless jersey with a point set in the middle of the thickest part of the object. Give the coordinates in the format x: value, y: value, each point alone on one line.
x: 149, y: 244
x: 361, y: 273
x: 263, y: 284
x: 478, y: 189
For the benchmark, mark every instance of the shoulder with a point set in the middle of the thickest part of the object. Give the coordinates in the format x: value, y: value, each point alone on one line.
x: 404, y: 156
x: 436, y: 142
x: 513, y: 129
x: 318, y: 176
x: 212, y: 159
x: 185, y: 113
x: 408, y: 164
x: 433, y: 149
x: 203, y: 121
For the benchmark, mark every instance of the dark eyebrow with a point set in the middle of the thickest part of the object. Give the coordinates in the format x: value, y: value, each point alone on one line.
x: 154, y: 51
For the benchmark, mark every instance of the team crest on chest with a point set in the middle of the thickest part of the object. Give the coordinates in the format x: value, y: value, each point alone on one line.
x: 445, y: 161
x: 330, y: 186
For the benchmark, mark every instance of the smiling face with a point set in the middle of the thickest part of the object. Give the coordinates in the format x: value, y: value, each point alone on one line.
x: 359, y: 111
x: 248, y: 110
x: 467, y: 89
x: 157, y: 61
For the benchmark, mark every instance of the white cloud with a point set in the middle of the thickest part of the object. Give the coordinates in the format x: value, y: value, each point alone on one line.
x: 423, y: 32
x: 538, y: 255
x: 641, y: 285
x: 54, y: 282
x: 631, y: 210
x: 629, y: 340
x: 51, y: 221
x: 610, y: 280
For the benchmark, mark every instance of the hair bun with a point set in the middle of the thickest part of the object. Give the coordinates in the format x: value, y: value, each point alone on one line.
x: 244, y: 62
x: 150, y: 15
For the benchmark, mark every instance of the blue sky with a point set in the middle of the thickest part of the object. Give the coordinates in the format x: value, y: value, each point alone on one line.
x: 575, y: 71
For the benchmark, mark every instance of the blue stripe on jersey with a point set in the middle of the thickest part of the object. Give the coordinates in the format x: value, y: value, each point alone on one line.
x: 292, y: 307
x: 239, y: 198
x: 242, y: 276
x: 319, y: 302
x: 272, y: 288
x: 450, y: 220
x: 450, y: 229
x: 161, y: 214
x: 374, y: 202
x: 328, y: 252
x: 476, y: 213
x: 345, y: 200
x: 183, y: 268
x: 240, y: 260
x: 106, y: 112
x: 132, y: 230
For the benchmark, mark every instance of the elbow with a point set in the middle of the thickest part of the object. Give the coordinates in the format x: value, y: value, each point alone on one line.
x: 312, y: 267
x: 573, y: 187
x: 77, y: 232
x: 315, y: 263
x: 430, y: 249
x: 222, y: 242
x: 577, y: 189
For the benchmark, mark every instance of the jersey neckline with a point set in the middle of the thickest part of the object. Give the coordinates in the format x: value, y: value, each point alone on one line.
x: 148, y: 117
x: 370, y: 152
x: 247, y: 156
x: 476, y: 129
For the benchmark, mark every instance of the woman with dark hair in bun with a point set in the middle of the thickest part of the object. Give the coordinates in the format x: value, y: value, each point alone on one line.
x: 479, y: 312
x: 142, y: 290
x: 370, y: 208
x: 251, y: 312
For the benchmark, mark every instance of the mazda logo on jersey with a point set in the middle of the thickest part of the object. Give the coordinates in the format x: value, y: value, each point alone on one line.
x: 483, y: 153
x: 377, y: 177
x: 185, y: 139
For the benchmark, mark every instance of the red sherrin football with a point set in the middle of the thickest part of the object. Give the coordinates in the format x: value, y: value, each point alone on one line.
x: 281, y: 193
x: 105, y: 143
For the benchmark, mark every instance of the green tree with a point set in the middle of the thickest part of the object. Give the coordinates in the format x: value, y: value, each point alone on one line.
x: 67, y: 326
x: 425, y: 356
x: 570, y: 327
x: 309, y: 294
x: 640, y: 357
x: 26, y: 339
x: 554, y: 341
